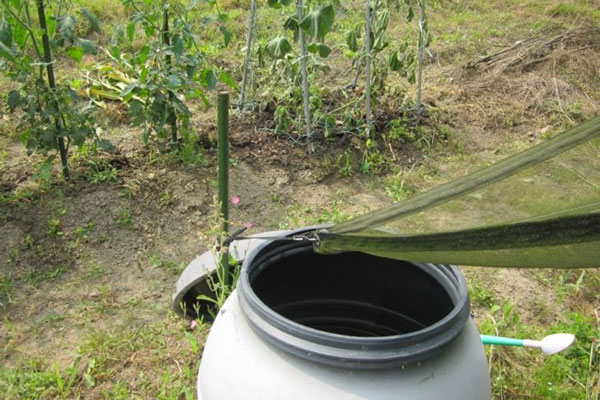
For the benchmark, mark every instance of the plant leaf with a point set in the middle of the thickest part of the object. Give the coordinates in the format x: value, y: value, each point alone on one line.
x: 279, y: 47
x: 5, y: 33
x: 208, y: 79
x: 66, y: 26
x: 91, y: 18
x: 351, y: 40
x: 76, y: 53
x: 105, y: 145
x: 319, y: 48
x: 226, y: 34
x: 14, y: 97
x: 227, y: 79
x: 88, y: 46
x: 318, y: 22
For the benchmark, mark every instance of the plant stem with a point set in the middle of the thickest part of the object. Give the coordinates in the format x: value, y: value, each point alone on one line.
x: 52, y: 83
x: 248, y: 52
x: 368, y: 65
x: 223, y: 171
x: 172, y: 118
x: 420, y: 58
x: 305, y: 87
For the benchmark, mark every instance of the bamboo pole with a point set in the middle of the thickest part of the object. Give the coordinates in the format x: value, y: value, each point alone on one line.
x: 305, y: 87
x: 420, y: 58
x: 368, y: 62
x: 251, y: 22
x: 172, y: 117
x: 52, y: 83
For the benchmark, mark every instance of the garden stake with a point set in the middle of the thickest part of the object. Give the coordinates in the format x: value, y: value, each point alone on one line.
x: 305, y: 87
x: 248, y: 53
x: 52, y: 84
x: 549, y: 345
x: 223, y: 172
x: 172, y: 118
x: 368, y: 66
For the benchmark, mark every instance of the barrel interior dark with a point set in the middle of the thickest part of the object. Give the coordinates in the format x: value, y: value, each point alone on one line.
x: 353, y: 294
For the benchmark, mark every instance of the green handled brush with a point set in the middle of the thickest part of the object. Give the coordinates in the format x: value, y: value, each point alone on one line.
x: 551, y: 344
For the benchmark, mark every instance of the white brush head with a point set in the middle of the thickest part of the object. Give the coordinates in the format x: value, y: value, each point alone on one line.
x: 556, y: 343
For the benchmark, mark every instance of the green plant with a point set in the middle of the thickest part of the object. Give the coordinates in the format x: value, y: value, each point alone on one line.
x: 479, y: 294
x: 34, y: 277
x: 51, y: 113
x: 158, y: 261
x: 6, y: 286
x: 166, y: 199
x: 291, y: 69
x: 220, y: 285
x: 54, y: 227
x: 125, y: 218
x: 344, y: 164
x: 93, y: 271
x: 397, y: 188
x: 82, y: 232
x: 166, y: 69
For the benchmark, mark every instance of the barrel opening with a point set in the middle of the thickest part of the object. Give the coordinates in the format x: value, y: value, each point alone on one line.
x: 352, y: 294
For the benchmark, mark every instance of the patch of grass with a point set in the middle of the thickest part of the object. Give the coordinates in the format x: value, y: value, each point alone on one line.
x: 93, y: 271
x: 34, y: 277
x: 571, y: 374
x: 6, y: 288
x: 36, y: 380
x: 397, y: 188
x: 297, y: 216
x: 167, y: 199
x: 106, y: 175
x: 479, y: 294
x: 159, y: 261
x: 125, y: 218
x: 82, y: 232
x: 54, y: 227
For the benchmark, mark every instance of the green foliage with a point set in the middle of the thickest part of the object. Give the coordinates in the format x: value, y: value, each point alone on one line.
x: 282, y: 75
x: 52, y: 115
x: 318, y: 22
x: 479, y: 294
x: 36, y: 381
x: 167, y: 68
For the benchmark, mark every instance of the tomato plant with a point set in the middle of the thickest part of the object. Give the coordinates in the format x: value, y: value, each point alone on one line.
x: 53, y: 117
x: 167, y: 68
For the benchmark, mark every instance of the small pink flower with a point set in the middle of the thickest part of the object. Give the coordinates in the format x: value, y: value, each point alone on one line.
x: 193, y: 324
x: 248, y: 225
x: 235, y: 200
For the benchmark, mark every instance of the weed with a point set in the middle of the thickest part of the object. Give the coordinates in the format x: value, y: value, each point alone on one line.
x: 397, y: 188
x: 93, y: 271
x: 190, y: 152
x: 53, y: 318
x: 166, y: 199
x: 344, y: 164
x: 54, y: 227
x: 33, y: 277
x: 101, y: 173
x: 13, y: 254
x: 36, y: 380
x: 82, y: 232
x: 158, y: 261
x: 125, y: 218
x: 480, y: 295
x: 6, y: 287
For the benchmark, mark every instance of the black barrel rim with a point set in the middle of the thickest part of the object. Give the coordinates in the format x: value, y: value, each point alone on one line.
x: 344, y: 350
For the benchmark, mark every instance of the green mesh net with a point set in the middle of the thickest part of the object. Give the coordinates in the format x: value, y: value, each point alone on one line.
x: 538, y: 208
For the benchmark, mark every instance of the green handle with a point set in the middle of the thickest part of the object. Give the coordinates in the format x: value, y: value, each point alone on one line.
x: 502, y: 341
